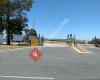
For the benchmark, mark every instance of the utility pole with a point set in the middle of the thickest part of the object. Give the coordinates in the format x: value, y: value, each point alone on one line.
x: 74, y: 40
x: 8, y: 27
x: 33, y: 24
x: 68, y: 39
x: 95, y: 40
x: 42, y: 39
x: 39, y: 38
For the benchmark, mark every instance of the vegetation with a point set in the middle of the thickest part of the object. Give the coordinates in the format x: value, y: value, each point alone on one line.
x: 95, y: 41
x: 13, y: 16
x: 30, y: 32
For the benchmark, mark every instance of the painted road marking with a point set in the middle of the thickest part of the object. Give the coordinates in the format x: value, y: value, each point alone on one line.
x: 21, y: 77
x: 80, y: 51
x: 55, y: 46
x: 35, y: 54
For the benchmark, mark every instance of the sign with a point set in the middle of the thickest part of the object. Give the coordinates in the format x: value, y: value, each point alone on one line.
x: 35, y: 54
x: 1, y: 38
x: 34, y: 42
x: 17, y: 37
x: 32, y: 37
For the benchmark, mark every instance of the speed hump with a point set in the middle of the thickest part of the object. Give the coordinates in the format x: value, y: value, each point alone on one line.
x: 35, y: 54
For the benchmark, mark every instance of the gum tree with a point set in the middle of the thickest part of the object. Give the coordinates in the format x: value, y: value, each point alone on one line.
x: 13, y: 16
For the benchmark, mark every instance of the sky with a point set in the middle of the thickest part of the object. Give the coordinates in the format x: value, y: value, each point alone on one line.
x: 58, y: 18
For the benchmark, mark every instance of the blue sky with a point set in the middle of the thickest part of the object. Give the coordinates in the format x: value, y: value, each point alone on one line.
x: 83, y: 18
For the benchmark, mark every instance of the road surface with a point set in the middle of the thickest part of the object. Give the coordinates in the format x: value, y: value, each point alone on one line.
x: 57, y: 63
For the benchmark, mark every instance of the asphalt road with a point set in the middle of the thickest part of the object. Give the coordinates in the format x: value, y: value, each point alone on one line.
x: 57, y: 63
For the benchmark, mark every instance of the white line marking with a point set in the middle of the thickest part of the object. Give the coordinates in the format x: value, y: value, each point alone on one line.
x: 20, y: 77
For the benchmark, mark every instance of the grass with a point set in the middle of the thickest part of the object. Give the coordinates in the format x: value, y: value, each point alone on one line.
x: 4, y: 47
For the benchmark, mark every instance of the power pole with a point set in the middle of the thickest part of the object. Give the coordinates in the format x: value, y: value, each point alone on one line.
x: 74, y: 40
x: 8, y: 27
x: 33, y: 24
x: 95, y: 40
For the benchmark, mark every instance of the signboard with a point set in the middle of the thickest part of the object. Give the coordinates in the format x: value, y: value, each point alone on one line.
x: 32, y: 37
x: 34, y: 42
x: 35, y: 54
x: 17, y: 37
x: 1, y: 38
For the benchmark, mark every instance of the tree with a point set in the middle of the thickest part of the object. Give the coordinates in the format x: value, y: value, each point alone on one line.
x: 13, y: 16
x: 2, y: 7
x: 30, y: 32
x: 18, y: 25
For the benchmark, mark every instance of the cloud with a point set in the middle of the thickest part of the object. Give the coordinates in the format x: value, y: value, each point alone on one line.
x: 60, y: 27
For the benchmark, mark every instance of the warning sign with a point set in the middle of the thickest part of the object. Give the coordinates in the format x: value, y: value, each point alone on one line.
x: 35, y: 54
